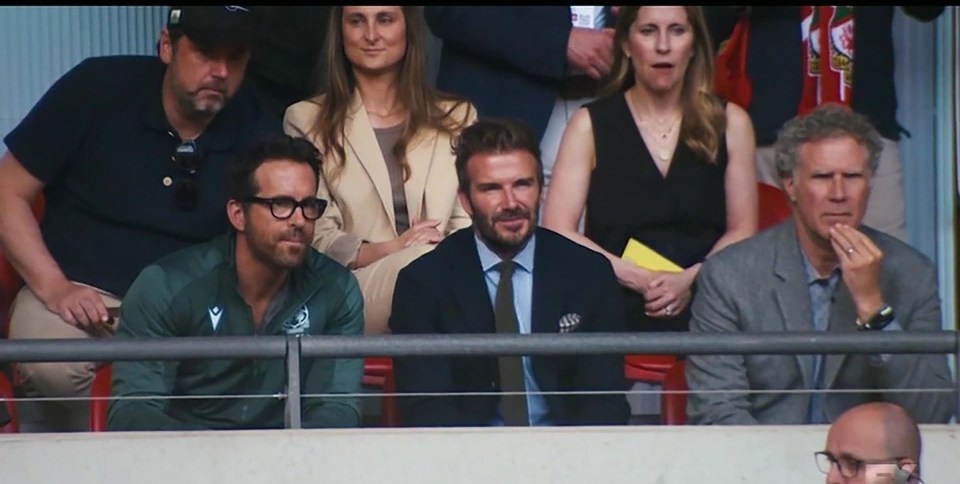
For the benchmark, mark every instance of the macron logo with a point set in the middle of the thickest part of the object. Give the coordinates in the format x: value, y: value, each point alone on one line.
x: 215, y: 313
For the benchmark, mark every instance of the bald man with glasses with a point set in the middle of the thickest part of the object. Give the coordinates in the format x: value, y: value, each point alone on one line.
x: 873, y: 443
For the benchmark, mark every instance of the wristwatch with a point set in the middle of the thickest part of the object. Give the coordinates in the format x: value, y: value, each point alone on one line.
x: 878, y: 321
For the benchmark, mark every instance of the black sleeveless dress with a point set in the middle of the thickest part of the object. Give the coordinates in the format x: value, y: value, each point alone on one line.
x: 681, y: 216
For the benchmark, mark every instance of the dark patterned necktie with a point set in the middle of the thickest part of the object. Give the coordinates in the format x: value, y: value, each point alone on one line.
x: 512, y: 407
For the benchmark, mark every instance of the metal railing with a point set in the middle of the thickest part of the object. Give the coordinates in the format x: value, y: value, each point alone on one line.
x: 295, y: 348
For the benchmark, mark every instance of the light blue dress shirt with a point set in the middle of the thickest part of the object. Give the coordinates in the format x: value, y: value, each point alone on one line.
x: 523, y: 302
x: 822, y: 291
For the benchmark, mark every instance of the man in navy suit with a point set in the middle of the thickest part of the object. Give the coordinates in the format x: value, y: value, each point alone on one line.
x: 505, y: 274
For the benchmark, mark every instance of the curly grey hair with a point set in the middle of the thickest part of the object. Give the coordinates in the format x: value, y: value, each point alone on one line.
x: 829, y: 120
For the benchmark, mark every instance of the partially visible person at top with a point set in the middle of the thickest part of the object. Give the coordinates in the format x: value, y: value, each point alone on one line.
x: 535, y: 64
x: 285, y: 60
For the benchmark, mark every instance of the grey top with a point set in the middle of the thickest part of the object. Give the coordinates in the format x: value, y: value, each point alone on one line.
x: 387, y: 138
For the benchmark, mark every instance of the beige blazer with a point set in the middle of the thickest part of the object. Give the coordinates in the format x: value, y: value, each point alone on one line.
x: 361, y: 198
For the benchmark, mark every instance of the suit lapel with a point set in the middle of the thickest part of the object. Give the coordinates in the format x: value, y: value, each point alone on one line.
x: 362, y: 142
x: 793, y: 299
x: 420, y: 158
x: 547, y: 289
x: 546, y: 308
x: 469, y: 283
x: 843, y: 314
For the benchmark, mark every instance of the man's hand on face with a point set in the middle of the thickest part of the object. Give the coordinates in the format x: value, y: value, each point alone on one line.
x: 860, y: 265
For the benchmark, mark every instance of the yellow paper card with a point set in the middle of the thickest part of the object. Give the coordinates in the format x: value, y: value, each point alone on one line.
x: 649, y: 259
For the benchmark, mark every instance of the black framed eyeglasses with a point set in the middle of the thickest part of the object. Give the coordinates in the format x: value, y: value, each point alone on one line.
x: 283, y: 207
x: 849, y: 466
x: 187, y: 159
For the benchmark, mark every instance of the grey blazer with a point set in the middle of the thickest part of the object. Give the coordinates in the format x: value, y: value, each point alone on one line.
x: 759, y: 285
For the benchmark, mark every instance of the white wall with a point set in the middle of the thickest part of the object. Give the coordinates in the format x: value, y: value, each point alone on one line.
x: 634, y: 455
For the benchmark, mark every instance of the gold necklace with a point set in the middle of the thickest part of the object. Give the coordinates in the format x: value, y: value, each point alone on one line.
x: 662, y: 139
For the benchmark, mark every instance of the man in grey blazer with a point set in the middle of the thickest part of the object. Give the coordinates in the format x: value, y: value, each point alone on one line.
x: 820, y: 270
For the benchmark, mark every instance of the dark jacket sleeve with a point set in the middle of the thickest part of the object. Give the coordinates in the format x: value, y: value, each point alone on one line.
x: 145, y: 313
x: 720, y: 22
x: 414, y: 311
x: 603, y: 372
x: 341, y: 376
x: 519, y: 37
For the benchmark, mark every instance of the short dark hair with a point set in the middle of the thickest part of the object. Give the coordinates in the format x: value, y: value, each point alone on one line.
x: 494, y: 135
x: 241, y: 184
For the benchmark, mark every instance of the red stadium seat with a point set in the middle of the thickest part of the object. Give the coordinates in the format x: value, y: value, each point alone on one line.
x: 378, y: 373
x: 773, y: 205
x: 10, y: 284
x: 673, y: 406
x: 99, y: 393
x: 6, y: 392
x: 10, y: 281
x: 647, y: 368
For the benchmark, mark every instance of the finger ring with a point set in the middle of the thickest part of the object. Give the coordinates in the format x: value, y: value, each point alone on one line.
x: 850, y: 250
x: 668, y: 311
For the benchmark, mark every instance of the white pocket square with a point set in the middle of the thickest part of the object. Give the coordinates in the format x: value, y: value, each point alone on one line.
x: 569, y: 322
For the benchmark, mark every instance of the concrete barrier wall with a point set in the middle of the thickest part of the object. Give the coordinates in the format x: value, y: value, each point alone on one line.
x: 661, y: 455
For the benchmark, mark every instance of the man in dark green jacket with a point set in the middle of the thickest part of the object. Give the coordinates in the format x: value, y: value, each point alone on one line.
x: 262, y: 278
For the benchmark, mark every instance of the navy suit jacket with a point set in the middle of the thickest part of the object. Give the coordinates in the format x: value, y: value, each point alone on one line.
x: 444, y: 291
x: 508, y: 61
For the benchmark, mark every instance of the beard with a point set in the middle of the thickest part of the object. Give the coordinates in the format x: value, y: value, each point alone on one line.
x: 505, y: 242
x: 194, y: 105
x: 274, y: 253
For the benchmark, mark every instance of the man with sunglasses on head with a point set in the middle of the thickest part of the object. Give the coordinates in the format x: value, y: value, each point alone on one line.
x: 130, y: 153
x: 872, y: 443
x: 261, y: 278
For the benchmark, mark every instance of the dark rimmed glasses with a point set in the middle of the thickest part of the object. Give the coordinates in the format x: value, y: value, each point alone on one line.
x: 849, y: 466
x: 187, y: 159
x: 282, y: 208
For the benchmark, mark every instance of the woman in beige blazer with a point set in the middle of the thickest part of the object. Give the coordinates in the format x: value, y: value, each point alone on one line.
x: 385, y: 135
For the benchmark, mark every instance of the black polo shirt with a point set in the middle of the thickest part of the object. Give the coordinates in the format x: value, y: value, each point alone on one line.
x: 102, y: 145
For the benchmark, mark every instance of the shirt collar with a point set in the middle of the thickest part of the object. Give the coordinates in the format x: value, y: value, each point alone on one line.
x: 523, y: 259
x: 813, y: 276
